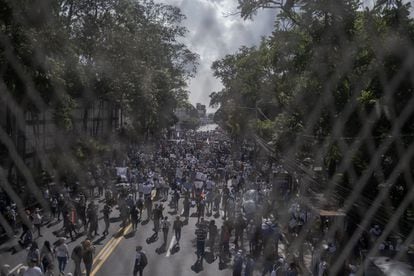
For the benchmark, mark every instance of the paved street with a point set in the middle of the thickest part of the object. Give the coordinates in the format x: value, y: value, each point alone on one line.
x: 115, y: 253
x: 13, y: 254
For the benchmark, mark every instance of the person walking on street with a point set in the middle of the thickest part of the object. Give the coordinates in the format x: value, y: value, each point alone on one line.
x: 239, y: 227
x: 147, y: 188
x: 33, y: 254
x: 213, y: 231
x: 27, y: 239
x: 70, y: 225
x: 178, y: 224
x: 25, y: 226
x: 37, y: 221
x: 249, y: 267
x: 175, y: 199
x: 92, y: 214
x: 200, y: 209
x: 46, y: 256
x: 141, y: 261
x: 61, y: 206
x: 76, y: 257
x: 33, y: 269
x: 53, y: 207
x: 186, y: 207
x: 140, y: 206
x: 165, y: 229
x: 238, y: 264
x: 87, y: 255
x: 224, y: 241
x: 62, y: 254
x: 201, y: 234
x: 134, y: 217
x: 157, y: 216
x: 106, y: 212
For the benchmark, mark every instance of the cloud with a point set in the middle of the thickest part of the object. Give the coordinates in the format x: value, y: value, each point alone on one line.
x: 213, y: 33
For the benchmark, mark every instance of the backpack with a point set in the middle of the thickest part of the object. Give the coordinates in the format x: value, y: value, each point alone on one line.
x: 76, y: 253
x: 144, y: 260
x: 140, y: 204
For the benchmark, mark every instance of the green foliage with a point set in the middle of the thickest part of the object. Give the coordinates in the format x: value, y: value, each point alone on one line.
x: 309, y: 88
x: 56, y: 53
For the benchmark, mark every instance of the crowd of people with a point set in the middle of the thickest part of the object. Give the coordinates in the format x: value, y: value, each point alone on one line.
x: 242, y: 218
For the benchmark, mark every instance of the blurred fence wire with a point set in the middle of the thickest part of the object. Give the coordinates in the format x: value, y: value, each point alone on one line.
x: 328, y: 96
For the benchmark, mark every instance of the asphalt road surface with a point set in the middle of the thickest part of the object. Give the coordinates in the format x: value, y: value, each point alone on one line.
x: 115, y: 253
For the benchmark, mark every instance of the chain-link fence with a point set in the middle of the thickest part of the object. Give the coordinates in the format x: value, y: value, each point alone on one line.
x: 326, y: 102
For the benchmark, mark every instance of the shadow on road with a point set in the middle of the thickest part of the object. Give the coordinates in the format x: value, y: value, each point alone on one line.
x: 209, y: 257
x: 197, y: 267
x: 162, y: 249
x: 152, y: 239
x: 175, y: 249
x: 51, y: 224
x: 129, y: 235
x: 116, y: 219
x: 98, y: 241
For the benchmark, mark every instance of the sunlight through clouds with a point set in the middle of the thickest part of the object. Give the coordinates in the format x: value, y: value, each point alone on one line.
x: 214, y: 31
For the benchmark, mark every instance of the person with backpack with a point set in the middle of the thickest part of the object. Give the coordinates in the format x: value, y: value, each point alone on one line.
x: 88, y: 250
x: 249, y: 267
x: 76, y: 257
x: 141, y: 261
x: 33, y: 254
x: 134, y: 213
x: 238, y: 264
x: 27, y: 239
x: 33, y: 269
x: 46, y: 256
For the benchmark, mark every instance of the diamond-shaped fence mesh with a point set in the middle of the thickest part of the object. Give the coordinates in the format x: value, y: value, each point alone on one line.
x: 334, y: 169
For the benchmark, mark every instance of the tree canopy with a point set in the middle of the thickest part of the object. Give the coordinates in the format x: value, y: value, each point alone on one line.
x: 58, y: 53
x: 333, y: 82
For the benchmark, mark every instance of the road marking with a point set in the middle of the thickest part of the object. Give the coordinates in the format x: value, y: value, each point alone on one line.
x: 99, y: 257
x: 15, y: 268
x: 172, y: 243
x: 103, y: 250
x: 110, y: 249
x: 106, y: 246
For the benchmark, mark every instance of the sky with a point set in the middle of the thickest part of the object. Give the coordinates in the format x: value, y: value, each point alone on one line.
x: 213, y: 33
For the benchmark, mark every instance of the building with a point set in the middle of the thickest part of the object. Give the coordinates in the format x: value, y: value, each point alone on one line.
x: 33, y: 134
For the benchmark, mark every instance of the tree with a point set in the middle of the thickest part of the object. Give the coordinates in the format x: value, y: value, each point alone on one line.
x: 331, y: 82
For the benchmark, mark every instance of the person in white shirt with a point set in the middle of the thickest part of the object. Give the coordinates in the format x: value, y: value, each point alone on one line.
x: 37, y: 221
x: 62, y: 254
x: 33, y: 270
